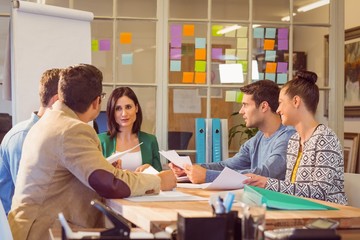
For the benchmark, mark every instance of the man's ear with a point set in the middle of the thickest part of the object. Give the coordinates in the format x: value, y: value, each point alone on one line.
x: 53, y: 99
x: 264, y: 106
x: 96, y: 103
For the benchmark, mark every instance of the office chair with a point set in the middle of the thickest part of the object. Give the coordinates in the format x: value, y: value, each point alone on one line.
x: 5, y: 232
x: 178, y: 140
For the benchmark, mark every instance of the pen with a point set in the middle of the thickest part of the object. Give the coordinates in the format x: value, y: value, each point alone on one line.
x: 219, y: 207
x: 229, y: 199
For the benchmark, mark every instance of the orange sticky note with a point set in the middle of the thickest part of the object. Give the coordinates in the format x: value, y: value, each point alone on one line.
x: 270, y: 67
x: 188, y: 77
x: 125, y: 38
x: 200, y: 54
x: 200, y: 77
x: 188, y: 30
x: 269, y: 44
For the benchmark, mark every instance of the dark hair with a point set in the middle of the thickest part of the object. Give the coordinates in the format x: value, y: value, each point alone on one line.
x: 49, y: 85
x: 303, y: 85
x: 110, y: 110
x: 263, y: 90
x: 79, y: 86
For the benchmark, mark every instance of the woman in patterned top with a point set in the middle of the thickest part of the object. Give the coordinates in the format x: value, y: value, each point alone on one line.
x: 315, y: 162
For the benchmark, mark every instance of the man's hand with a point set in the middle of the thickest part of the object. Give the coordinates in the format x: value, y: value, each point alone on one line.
x: 179, y: 172
x: 168, y: 180
x: 117, y: 164
x: 195, y: 173
x: 255, y: 180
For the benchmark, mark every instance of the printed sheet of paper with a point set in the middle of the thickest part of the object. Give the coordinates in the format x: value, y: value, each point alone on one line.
x: 167, y: 196
x: 116, y: 156
x: 173, y: 157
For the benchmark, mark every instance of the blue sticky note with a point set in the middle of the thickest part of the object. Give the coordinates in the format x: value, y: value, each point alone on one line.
x: 175, y: 66
x: 200, y: 42
x: 258, y: 33
x: 261, y: 76
x: 270, y: 56
x: 127, y: 59
x: 270, y: 32
x: 270, y: 76
x: 281, y: 78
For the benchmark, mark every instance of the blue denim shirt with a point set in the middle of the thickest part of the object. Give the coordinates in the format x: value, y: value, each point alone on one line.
x: 10, y: 155
x: 259, y: 155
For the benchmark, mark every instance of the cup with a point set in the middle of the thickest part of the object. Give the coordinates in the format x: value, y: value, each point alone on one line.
x: 253, y: 221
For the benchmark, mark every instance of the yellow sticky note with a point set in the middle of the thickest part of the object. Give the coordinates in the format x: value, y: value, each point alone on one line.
x: 242, y: 43
x: 94, y: 45
x: 125, y: 38
x: 200, y: 77
x: 270, y: 67
x: 200, y: 66
x: 230, y: 96
x: 188, y: 77
x: 215, y: 29
x: 200, y: 54
x: 188, y: 30
x: 269, y: 44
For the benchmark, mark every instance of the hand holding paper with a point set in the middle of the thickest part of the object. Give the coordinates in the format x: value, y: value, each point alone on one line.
x: 173, y: 157
x: 117, y: 155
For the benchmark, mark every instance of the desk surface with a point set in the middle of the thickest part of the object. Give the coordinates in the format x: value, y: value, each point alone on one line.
x: 155, y: 216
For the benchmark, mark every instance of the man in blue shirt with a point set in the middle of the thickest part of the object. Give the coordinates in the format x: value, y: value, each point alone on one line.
x: 265, y: 153
x: 11, y: 146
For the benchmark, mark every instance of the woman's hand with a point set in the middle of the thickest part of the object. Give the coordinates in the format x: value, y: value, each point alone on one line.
x: 142, y: 167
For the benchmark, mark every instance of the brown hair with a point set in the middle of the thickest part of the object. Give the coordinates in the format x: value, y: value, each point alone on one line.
x: 303, y: 85
x: 48, y: 85
x: 263, y: 90
x: 79, y: 86
x: 110, y: 110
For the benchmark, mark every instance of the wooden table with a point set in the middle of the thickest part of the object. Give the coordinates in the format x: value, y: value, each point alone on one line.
x: 155, y: 216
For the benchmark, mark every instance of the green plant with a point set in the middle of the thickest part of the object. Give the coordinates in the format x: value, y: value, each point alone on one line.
x: 245, y: 132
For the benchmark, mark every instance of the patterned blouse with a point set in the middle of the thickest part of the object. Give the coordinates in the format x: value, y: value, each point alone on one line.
x: 321, y: 170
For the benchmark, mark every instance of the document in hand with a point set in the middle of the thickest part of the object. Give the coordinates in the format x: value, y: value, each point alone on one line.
x: 281, y: 201
x: 117, y: 155
x: 227, y: 180
x: 173, y: 157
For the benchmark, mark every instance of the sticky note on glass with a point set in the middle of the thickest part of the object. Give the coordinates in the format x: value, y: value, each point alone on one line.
x: 104, y: 45
x: 127, y: 59
x: 230, y: 54
x: 270, y: 32
x: 230, y: 96
x: 200, y: 54
x: 283, y: 44
x: 175, y: 42
x: 94, y: 45
x: 175, y: 66
x: 200, y: 66
x: 269, y: 44
x: 175, y: 53
x: 244, y: 65
x: 231, y: 73
x: 125, y: 37
x: 282, y: 67
x: 242, y: 43
x: 270, y: 56
x: 200, y: 77
x: 188, y: 77
x: 241, y: 54
x: 283, y: 33
x: 270, y: 68
x: 242, y: 32
x: 258, y: 32
x: 281, y: 78
x: 215, y: 29
x: 261, y: 76
x: 270, y: 76
x: 188, y: 30
x: 200, y: 42
x: 216, y: 53
x: 239, y: 96
x: 231, y: 33
x: 175, y: 30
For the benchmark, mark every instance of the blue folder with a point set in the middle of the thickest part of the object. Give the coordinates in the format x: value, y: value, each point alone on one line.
x: 200, y: 140
x: 216, y: 140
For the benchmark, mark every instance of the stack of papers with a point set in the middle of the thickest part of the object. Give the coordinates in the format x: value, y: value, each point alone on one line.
x: 173, y: 157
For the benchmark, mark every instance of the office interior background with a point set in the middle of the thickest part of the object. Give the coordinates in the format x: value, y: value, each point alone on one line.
x: 170, y: 52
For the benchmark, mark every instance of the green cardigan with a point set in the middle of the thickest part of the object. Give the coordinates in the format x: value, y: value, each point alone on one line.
x: 149, y: 148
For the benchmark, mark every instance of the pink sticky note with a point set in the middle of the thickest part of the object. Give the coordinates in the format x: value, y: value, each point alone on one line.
x: 175, y: 53
x: 216, y: 53
x: 104, y: 45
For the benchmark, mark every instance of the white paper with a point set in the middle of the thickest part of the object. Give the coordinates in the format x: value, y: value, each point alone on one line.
x: 167, y: 196
x: 173, y: 157
x: 227, y: 180
x: 150, y: 170
x: 116, y: 156
x: 231, y: 73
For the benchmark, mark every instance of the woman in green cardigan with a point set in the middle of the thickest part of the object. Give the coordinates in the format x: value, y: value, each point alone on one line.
x: 124, y: 118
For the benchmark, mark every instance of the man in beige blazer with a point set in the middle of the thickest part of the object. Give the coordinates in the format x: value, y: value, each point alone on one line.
x: 62, y: 167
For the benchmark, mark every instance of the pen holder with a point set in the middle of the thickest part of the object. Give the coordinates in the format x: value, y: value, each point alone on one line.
x: 225, y: 226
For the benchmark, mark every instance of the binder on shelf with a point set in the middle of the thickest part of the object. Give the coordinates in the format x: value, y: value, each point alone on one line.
x: 200, y: 140
x: 224, y: 139
x: 281, y: 201
x: 216, y: 140
x: 208, y: 137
